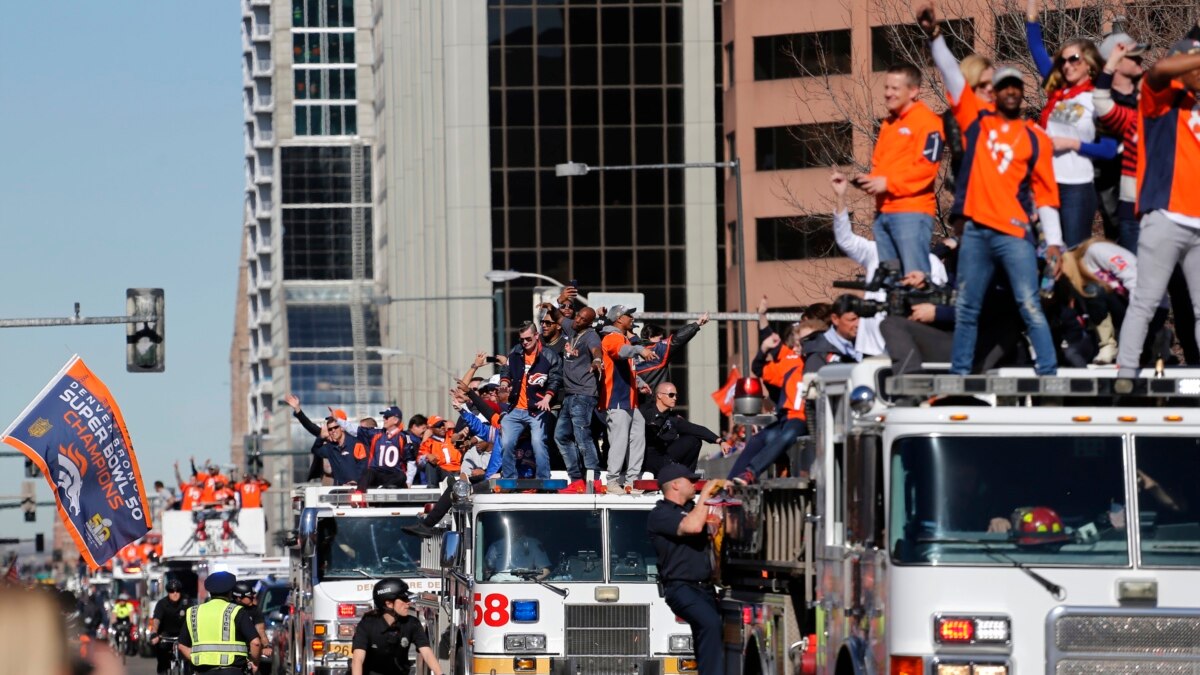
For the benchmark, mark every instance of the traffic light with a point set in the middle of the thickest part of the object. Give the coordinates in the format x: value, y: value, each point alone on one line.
x: 145, y: 349
x: 31, y: 470
x: 252, y: 444
x: 29, y: 501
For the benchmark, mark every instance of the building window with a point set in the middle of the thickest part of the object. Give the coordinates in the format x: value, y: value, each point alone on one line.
x: 730, y: 73
x: 795, y: 238
x: 731, y: 146
x: 326, y: 120
x: 803, y: 146
x: 905, y: 43
x: 331, y: 84
x: 802, y: 54
x: 323, y: 13
x: 318, y: 244
x: 322, y: 175
x: 323, y: 47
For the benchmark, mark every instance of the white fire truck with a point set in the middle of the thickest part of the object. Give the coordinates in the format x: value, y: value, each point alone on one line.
x: 551, y: 583
x: 980, y: 525
x: 347, y: 541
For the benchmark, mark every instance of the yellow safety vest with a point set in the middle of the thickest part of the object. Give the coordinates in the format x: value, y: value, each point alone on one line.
x: 214, y: 634
x: 123, y: 610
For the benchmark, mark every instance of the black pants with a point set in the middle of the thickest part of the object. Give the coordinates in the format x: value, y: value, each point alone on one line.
x: 910, y: 344
x: 373, y: 478
x: 697, y: 604
x: 684, y: 450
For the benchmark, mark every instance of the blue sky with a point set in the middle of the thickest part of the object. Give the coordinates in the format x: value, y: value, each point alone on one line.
x: 121, y: 129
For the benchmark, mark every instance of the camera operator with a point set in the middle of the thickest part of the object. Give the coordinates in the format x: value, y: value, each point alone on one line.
x: 866, y: 253
x: 925, y: 335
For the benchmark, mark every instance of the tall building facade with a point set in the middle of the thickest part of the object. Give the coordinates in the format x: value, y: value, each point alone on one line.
x: 311, y: 319
x: 608, y: 84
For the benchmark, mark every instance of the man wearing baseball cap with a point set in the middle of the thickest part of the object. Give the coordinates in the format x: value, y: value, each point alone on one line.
x: 1009, y: 173
x: 619, y: 399
x: 207, y: 643
x: 678, y: 531
x: 386, y: 466
x: 1167, y: 198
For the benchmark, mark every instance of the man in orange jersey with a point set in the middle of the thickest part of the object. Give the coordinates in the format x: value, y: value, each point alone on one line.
x: 535, y: 375
x: 903, y: 168
x: 785, y: 371
x: 1168, y: 198
x: 619, y: 400
x: 1006, y: 173
x: 250, y: 491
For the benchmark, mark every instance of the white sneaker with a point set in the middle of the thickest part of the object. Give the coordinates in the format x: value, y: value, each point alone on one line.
x: 614, y: 488
x: 1107, y: 355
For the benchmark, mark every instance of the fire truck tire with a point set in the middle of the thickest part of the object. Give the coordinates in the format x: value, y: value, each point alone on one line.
x: 460, y: 666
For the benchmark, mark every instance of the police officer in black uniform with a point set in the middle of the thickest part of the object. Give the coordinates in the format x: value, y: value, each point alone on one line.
x: 678, y: 532
x: 167, y: 621
x: 245, y: 595
x: 385, y: 634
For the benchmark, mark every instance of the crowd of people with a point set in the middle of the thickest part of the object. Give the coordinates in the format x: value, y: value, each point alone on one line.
x: 1066, y: 247
x: 578, y: 378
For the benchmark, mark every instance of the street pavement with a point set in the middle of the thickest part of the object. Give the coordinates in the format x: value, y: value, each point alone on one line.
x: 136, y: 665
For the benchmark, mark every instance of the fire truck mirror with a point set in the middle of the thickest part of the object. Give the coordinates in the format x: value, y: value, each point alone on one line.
x: 450, y: 544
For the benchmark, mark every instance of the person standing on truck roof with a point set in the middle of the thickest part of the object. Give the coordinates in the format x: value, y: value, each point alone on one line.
x: 677, y: 529
x: 346, y: 461
x: 386, y: 450
x: 385, y: 634
x: 535, y: 374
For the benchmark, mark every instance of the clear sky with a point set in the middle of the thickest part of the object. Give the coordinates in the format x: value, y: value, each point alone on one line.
x: 121, y: 133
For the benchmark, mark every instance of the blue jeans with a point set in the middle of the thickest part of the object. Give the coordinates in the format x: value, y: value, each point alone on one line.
x: 763, y: 448
x: 904, y: 237
x: 981, y: 248
x: 511, y: 427
x: 1129, y: 225
x: 697, y: 605
x: 1077, y: 209
x: 574, y: 435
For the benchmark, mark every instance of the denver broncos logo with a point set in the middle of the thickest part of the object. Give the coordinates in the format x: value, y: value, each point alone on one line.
x: 71, y: 469
x: 537, y: 379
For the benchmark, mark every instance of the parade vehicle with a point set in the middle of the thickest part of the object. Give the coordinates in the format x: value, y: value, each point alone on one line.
x: 973, y: 525
x: 347, y: 540
x: 534, y: 581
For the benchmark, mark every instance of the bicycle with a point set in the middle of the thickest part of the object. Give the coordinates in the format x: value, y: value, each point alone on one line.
x: 178, y: 666
x: 121, y: 643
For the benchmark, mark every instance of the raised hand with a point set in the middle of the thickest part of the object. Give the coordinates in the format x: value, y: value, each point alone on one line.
x: 927, y: 19
x: 292, y: 401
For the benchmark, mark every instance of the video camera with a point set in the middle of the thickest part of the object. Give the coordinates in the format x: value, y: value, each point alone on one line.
x: 900, y: 298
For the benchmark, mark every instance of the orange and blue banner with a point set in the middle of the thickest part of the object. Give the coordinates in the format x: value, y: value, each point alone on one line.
x: 73, y: 431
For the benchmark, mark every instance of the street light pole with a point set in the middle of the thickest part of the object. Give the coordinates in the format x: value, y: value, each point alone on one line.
x: 569, y: 169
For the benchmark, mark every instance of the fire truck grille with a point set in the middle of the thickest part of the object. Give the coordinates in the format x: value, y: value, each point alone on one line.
x: 1097, y: 667
x: 1173, y: 635
x: 608, y: 630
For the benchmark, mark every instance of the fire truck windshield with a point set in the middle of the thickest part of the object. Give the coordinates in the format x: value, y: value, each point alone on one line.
x: 366, y: 547
x: 992, y: 500
x: 1168, y: 500
x: 560, y: 545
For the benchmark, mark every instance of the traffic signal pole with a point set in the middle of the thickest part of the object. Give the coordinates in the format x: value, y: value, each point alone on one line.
x: 76, y: 320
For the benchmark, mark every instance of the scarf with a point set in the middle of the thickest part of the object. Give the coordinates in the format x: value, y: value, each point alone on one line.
x: 1063, y: 94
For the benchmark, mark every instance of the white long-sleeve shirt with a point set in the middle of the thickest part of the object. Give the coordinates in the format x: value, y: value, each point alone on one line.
x: 864, y: 252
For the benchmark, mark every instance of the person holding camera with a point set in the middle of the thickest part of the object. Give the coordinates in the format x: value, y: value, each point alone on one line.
x: 904, y: 166
x: 867, y: 253
x: 535, y: 375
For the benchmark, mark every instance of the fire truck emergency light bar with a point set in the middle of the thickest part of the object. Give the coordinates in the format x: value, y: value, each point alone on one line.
x: 1002, y: 385
x: 374, y: 497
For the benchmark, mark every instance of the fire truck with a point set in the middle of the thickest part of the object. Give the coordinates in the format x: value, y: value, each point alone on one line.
x: 974, y: 525
x: 551, y: 583
x: 347, y: 540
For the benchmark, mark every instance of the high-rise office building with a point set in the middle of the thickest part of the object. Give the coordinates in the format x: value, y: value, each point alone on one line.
x: 607, y: 84
x: 311, y: 316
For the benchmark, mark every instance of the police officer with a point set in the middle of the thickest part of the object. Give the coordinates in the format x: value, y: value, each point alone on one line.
x: 383, y: 637
x: 168, y: 622
x: 678, y: 531
x: 220, y: 636
x: 245, y: 595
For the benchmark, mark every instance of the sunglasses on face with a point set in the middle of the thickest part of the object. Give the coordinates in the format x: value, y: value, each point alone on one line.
x: 547, y: 323
x: 669, y: 394
x: 335, y: 428
x: 1074, y: 58
x: 528, y: 339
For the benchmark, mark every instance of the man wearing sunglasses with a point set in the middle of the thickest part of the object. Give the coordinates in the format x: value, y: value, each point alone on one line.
x: 670, y: 437
x: 534, y: 373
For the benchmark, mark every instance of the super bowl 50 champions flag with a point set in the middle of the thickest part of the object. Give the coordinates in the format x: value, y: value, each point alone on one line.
x: 74, y: 432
